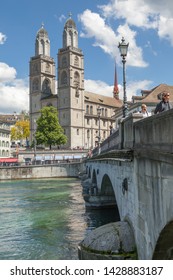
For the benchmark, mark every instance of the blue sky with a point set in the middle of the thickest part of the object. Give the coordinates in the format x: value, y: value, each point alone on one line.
x: 146, y: 26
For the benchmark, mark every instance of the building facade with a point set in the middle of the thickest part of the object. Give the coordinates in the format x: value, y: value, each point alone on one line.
x: 77, y: 109
x: 4, y: 140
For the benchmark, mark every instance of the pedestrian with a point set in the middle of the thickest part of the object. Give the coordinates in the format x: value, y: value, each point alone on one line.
x: 144, y: 111
x: 164, y: 104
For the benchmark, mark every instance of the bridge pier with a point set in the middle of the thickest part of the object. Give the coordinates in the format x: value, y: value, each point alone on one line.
x: 113, y: 241
x: 93, y: 198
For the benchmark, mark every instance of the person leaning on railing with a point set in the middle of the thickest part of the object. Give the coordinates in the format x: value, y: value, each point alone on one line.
x: 163, y: 105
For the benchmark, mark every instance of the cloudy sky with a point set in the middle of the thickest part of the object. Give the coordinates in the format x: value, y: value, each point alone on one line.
x: 146, y: 25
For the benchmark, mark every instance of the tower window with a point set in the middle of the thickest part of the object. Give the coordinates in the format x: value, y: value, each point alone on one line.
x: 64, y: 61
x: 64, y: 78
x: 76, y: 79
x: 35, y: 84
x: 78, y: 131
x: 76, y: 61
x: 46, y: 86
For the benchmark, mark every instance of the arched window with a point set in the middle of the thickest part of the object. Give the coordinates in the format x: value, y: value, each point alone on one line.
x: 88, y: 134
x: 35, y: 85
x: 64, y: 61
x: 76, y: 61
x: 91, y: 110
x: 70, y: 39
x: 64, y: 78
x: 76, y: 79
x: 87, y: 109
x: 46, y: 86
x: 106, y: 112
x: 42, y: 49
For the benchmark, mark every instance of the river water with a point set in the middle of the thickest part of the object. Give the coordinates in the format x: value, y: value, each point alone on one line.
x: 45, y: 219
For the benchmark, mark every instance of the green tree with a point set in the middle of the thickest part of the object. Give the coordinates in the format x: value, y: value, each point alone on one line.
x: 49, y: 132
x: 20, y: 130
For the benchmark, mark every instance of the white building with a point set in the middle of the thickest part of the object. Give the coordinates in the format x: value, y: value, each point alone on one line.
x: 4, y: 140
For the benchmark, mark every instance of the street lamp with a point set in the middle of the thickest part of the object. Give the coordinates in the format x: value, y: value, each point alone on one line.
x: 123, y: 47
x: 99, y: 113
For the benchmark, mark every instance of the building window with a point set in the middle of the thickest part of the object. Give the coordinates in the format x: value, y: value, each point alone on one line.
x: 64, y: 61
x: 91, y: 110
x: 96, y: 122
x: 88, y: 121
x: 88, y: 133
x: 76, y: 79
x: 35, y: 85
x: 64, y: 78
x: 78, y: 131
x: 87, y: 109
x: 106, y: 112
x: 46, y: 86
x: 76, y: 61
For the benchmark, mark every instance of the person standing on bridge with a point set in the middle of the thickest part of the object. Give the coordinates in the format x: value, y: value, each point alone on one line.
x: 163, y: 105
x: 144, y: 111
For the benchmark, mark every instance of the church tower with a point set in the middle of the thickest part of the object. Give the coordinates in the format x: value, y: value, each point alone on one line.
x: 42, y: 77
x: 71, y: 86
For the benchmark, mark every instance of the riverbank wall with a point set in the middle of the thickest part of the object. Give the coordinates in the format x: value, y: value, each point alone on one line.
x: 41, y: 171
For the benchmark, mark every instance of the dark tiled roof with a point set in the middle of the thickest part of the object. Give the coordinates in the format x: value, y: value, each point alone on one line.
x: 102, y: 99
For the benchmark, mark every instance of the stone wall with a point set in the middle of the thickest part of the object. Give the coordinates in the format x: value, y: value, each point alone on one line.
x: 41, y: 171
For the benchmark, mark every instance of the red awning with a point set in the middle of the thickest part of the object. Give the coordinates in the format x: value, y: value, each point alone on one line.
x: 9, y: 160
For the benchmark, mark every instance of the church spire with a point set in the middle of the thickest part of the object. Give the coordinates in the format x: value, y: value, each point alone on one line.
x: 42, y: 43
x: 116, y: 89
x: 70, y: 34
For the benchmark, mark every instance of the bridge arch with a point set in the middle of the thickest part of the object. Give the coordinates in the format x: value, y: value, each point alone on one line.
x: 107, y: 191
x: 164, y: 246
x: 106, y: 186
x: 94, y: 177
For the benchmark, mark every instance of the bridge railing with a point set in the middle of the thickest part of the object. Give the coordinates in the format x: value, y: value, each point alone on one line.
x: 155, y: 132
x: 122, y: 137
x: 110, y: 143
x: 134, y: 131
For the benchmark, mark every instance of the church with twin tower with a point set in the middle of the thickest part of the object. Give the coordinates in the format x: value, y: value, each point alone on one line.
x: 77, y: 108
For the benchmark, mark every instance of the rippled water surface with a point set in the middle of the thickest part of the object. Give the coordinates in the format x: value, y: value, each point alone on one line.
x: 45, y: 219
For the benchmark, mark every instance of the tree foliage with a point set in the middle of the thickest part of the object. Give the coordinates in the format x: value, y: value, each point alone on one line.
x: 49, y: 132
x: 20, y: 130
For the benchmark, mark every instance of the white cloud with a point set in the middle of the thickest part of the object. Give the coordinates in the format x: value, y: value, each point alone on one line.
x: 95, y: 27
x: 144, y: 14
x: 133, y: 88
x: 2, y: 38
x: 99, y: 87
x: 14, y: 93
x: 62, y: 17
x: 7, y: 73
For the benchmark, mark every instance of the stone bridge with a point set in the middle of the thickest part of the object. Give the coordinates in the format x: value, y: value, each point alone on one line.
x: 134, y: 171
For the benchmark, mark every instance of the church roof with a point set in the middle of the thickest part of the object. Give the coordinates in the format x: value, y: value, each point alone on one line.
x: 102, y: 99
x: 42, y: 31
x: 70, y: 23
x: 156, y: 92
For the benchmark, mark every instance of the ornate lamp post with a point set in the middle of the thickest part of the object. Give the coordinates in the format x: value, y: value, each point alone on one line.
x: 98, y: 114
x: 123, y: 47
